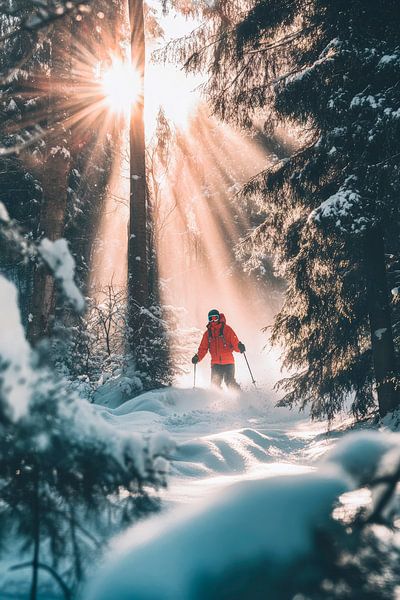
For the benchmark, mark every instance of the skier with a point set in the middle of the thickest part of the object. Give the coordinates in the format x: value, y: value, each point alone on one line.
x: 220, y: 340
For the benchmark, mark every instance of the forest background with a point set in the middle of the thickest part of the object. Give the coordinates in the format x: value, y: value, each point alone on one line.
x: 308, y: 215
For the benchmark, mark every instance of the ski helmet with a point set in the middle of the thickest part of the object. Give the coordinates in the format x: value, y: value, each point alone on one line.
x: 213, y: 313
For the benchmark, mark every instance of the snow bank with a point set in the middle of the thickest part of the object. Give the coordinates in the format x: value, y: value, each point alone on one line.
x: 208, y: 427
x: 172, y: 557
x: 231, y: 452
x: 117, y: 390
x: 183, y: 408
x: 266, y: 524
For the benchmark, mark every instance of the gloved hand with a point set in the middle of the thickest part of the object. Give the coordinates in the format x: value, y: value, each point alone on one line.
x: 242, y: 347
x: 195, y: 359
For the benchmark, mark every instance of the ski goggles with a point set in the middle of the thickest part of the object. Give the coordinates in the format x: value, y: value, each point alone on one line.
x: 213, y: 318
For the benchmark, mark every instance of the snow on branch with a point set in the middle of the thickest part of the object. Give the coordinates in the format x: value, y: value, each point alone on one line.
x: 25, y: 387
x: 4, y: 216
x: 58, y: 258
x: 344, y: 208
x: 16, y: 374
x: 40, y: 13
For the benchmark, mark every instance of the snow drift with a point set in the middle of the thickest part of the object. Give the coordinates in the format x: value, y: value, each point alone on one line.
x: 216, y: 432
x: 264, y: 526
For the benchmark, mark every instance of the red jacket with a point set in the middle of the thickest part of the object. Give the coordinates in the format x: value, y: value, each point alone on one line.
x: 219, y: 343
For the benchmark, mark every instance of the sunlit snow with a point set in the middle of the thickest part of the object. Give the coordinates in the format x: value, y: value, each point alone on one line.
x: 239, y: 467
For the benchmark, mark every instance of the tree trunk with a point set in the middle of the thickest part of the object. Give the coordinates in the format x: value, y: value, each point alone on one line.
x: 75, y: 545
x: 52, y: 219
x: 36, y: 535
x: 138, y: 286
x: 54, y: 178
x: 383, y: 354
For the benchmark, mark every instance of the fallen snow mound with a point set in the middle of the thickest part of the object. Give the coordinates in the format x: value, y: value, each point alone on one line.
x: 216, y: 432
x: 230, y: 452
x: 181, y: 408
x: 253, y: 531
x: 177, y: 556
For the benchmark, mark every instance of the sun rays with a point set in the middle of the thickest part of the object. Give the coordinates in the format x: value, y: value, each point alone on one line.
x: 201, y: 217
x: 196, y: 249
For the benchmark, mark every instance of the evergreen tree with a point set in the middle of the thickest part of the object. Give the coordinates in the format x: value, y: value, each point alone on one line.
x: 54, y: 176
x: 62, y: 466
x: 326, y: 72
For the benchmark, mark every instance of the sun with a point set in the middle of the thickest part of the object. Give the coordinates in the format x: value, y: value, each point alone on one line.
x: 121, y: 85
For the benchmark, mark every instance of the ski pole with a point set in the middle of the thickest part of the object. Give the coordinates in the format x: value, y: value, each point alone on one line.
x: 247, y: 362
x: 194, y: 376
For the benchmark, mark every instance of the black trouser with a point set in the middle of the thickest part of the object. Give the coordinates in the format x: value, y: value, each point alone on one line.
x: 226, y: 373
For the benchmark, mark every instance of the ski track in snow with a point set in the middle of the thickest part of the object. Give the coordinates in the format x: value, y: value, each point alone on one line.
x: 222, y: 438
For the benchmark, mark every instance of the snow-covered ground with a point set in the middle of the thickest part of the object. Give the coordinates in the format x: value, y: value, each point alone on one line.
x: 221, y: 437
x: 246, y: 482
x: 244, y: 475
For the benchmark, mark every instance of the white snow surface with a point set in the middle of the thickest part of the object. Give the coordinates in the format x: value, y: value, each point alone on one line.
x: 244, y: 487
x: 279, y: 495
x: 216, y: 432
x: 169, y: 557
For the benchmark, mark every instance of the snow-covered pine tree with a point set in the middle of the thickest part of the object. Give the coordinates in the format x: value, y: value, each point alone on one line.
x: 20, y: 188
x: 41, y: 98
x: 326, y: 74
x: 68, y: 481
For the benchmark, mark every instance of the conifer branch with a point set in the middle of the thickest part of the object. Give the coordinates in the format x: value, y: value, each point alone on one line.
x: 63, y: 586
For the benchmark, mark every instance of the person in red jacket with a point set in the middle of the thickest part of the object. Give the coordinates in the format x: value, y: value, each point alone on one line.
x: 221, y: 341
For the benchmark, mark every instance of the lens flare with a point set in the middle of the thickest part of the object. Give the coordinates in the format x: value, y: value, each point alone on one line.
x: 122, y: 86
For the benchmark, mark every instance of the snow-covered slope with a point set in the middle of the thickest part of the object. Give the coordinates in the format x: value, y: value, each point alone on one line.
x: 182, y: 557
x: 251, y: 534
x: 238, y: 466
x: 215, y: 432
